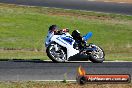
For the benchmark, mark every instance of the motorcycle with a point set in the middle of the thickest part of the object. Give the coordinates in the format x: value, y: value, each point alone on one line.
x: 63, y: 48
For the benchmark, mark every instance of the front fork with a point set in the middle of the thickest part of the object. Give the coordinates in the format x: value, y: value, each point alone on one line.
x: 56, y: 47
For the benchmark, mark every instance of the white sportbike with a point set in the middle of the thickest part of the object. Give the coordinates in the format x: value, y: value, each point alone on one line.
x: 63, y: 48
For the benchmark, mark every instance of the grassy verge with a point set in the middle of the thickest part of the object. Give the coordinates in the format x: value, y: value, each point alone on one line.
x: 24, y: 28
x: 16, y: 54
x: 59, y: 85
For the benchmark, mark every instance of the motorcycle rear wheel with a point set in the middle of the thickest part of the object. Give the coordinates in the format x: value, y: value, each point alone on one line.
x: 98, y: 55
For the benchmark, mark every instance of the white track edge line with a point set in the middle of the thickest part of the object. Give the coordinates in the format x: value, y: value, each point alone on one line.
x: 56, y: 80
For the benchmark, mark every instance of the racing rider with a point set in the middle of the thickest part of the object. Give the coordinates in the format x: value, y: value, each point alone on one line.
x: 53, y: 30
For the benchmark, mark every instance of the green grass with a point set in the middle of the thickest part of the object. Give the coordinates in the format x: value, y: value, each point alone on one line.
x: 25, y: 28
x: 9, y: 54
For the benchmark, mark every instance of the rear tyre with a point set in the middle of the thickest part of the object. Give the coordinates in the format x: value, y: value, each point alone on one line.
x: 58, y: 55
x: 97, y: 56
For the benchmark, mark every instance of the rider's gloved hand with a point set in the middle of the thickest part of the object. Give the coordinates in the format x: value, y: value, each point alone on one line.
x: 65, y: 30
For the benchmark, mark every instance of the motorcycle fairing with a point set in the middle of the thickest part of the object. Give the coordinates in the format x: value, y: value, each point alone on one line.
x: 59, y: 39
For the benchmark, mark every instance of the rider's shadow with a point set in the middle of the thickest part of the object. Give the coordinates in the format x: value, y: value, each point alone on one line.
x: 79, y: 57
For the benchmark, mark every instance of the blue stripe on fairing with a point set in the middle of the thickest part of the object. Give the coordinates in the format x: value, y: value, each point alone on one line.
x: 67, y: 40
x: 61, y: 40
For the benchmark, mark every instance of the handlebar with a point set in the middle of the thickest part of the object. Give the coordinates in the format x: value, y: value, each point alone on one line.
x: 60, y: 32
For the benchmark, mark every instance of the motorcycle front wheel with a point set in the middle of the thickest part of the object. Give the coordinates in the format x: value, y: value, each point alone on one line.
x: 56, y: 53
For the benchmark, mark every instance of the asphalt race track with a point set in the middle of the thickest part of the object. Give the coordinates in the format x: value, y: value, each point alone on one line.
x: 46, y: 70
x: 16, y: 70
x: 120, y: 8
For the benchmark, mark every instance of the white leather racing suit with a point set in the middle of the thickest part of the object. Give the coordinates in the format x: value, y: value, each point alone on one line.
x: 49, y: 36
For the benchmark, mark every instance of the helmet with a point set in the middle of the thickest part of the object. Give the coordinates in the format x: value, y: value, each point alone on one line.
x: 52, y: 28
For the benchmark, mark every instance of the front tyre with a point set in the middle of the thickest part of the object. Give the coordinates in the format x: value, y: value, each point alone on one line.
x: 56, y: 53
x: 97, y: 55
